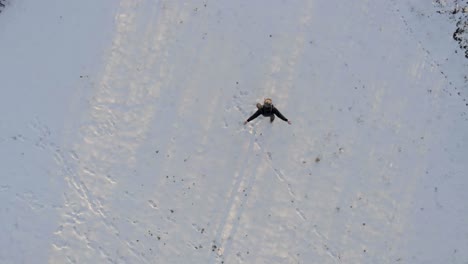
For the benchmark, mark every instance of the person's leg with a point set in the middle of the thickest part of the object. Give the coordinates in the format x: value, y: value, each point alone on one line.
x: 272, y: 118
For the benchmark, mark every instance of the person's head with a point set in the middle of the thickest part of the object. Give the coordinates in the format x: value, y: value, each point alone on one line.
x: 268, y: 101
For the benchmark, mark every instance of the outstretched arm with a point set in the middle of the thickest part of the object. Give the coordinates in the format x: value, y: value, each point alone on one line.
x: 278, y: 114
x: 255, y: 115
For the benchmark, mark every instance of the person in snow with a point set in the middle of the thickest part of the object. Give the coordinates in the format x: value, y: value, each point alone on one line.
x: 267, y: 109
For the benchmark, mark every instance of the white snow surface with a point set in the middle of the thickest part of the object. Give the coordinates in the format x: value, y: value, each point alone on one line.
x: 122, y: 136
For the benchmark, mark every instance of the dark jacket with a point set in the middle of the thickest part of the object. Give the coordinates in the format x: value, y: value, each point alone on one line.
x: 267, y: 111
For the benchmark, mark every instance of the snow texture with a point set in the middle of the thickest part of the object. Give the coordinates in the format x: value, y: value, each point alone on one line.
x: 122, y: 136
x: 3, y: 3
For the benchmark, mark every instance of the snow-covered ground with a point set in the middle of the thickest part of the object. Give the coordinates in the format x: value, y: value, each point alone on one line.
x: 122, y: 136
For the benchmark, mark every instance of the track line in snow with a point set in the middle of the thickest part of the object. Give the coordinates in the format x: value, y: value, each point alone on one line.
x: 240, y: 197
x: 226, y: 235
x: 119, y: 116
x: 234, y: 201
x: 287, y: 64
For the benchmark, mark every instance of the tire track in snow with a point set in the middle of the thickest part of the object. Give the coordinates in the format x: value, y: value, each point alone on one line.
x: 291, y: 74
x: 282, y: 178
x: 187, y: 85
x: 242, y: 194
x: 239, y: 197
x: 119, y: 116
x: 228, y: 228
x: 286, y: 85
x: 373, y: 211
x: 292, y: 63
x: 79, y: 190
x: 387, y: 206
x: 76, y: 239
x: 234, y: 203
